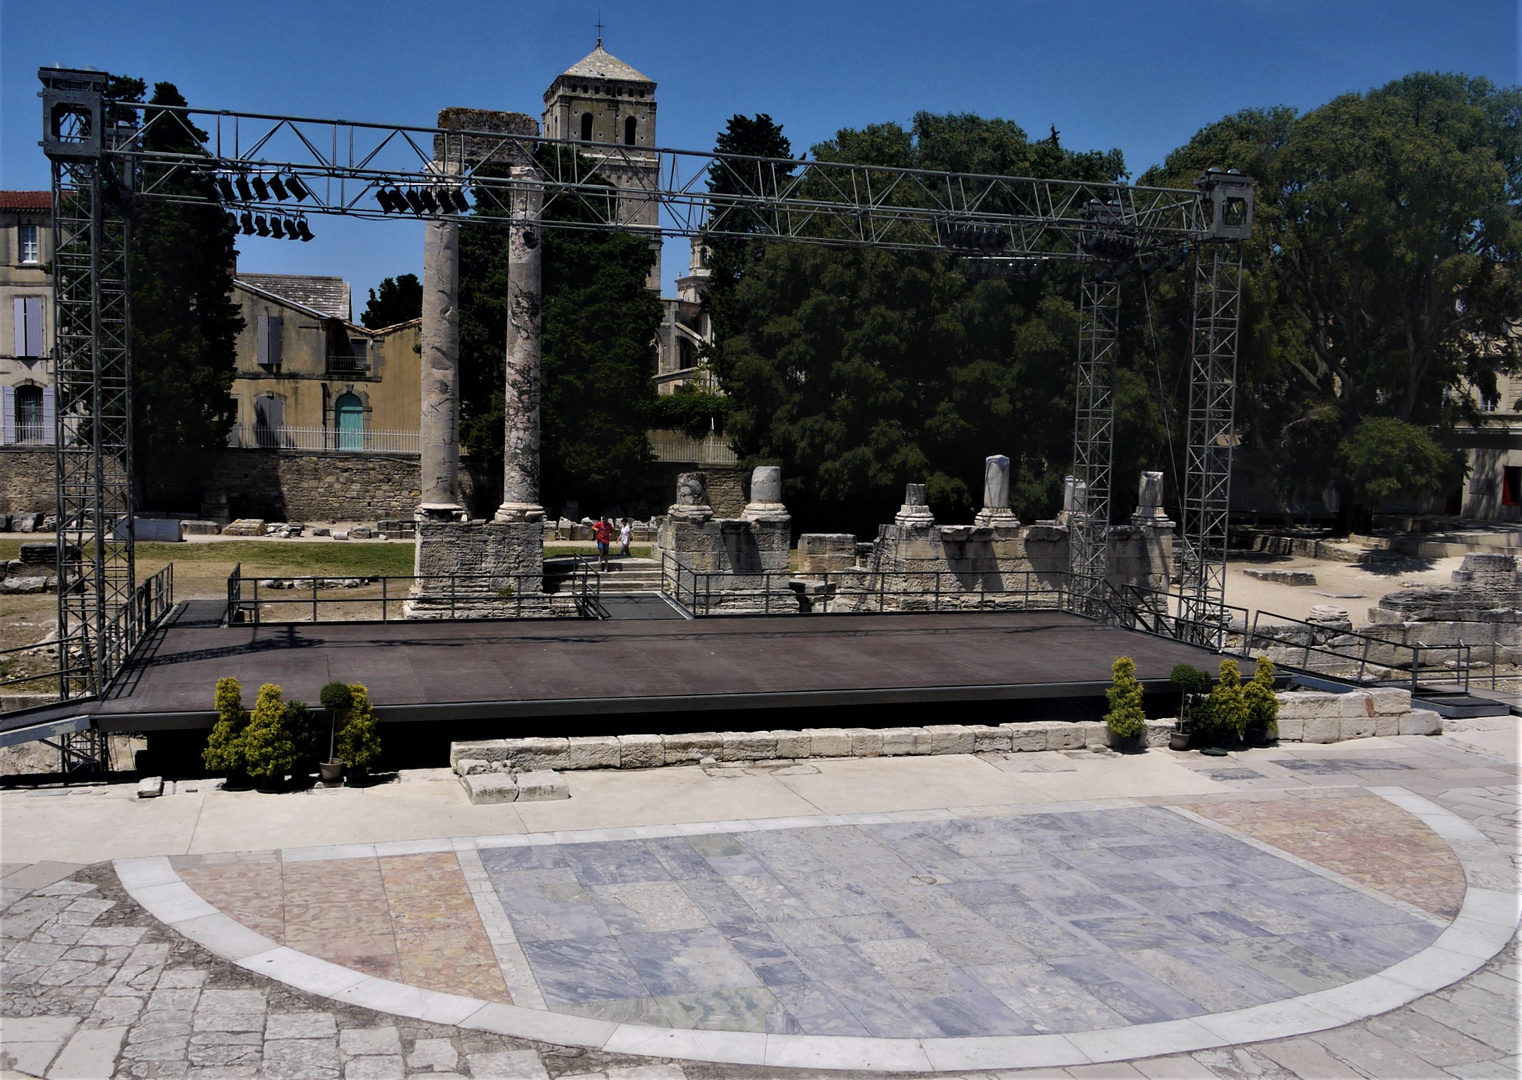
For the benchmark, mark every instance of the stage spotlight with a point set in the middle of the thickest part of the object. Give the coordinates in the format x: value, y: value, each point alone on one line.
x: 1102, y: 274
x: 1175, y: 261
x: 278, y: 188
x: 248, y: 223
x: 414, y: 200
x: 302, y: 230
x: 1152, y: 264
x: 225, y: 186
x: 429, y: 202
x: 383, y: 197
x: 260, y: 190
x: 244, y: 192
x: 232, y: 221
x: 261, y: 225
x: 1123, y: 271
x: 461, y: 203
x: 277, y: 228
x: 296, y: 187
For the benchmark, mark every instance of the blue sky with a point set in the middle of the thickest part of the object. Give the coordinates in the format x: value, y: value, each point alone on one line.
x: 1141, y: 76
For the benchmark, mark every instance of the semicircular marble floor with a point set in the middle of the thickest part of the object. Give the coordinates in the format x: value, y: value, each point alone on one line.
x: 924, y: 925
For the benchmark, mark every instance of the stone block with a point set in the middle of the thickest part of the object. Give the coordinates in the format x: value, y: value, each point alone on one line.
x: 641, y: 752
x: 828, y: 742
x: 539, y: 753
x: 472, y: 766
x: 1390, y: 701
x: 339, y: 534
x: 1159, y: 732
x: 1357, y: 727
x: 989, y: 740
x: 866, y: 743
x: 1291, y: 730
x: 199, y: 528
x: 691, y: 747
x: 1421, y: 722
x: 593, y: 752
x: 1386, y: 725
x: 1355, y: 705
x: 484, y: 749
x: 245, y: 527
x: 1065, y: 735
x: 792, y: 744
x: 541, y: 785
x: 490, y: 787
x: 150, y: 787
x: 748, y: 746
x: 1321, y: 729
x: 1304, y: 704
x: 950, y: 738
x: 361, y: 532
x: 1027, y: 736
x: 902, y: 741
x: 1095, y: 733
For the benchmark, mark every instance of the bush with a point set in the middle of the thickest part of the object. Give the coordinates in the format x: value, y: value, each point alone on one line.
x: 338, y: 700
x: 1262, y: 706
x: 267, y: 745
x: 1228, y: 706
x: 224, y: 746
x: 1193, y: 685
x: 1126, y: 718
x: 359, y: 744
x: 306, y: 733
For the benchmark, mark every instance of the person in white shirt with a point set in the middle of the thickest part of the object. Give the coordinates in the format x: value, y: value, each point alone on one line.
x: 625, y: 535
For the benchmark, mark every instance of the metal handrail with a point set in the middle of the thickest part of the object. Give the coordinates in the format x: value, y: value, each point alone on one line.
x: 1366, y: 640
x: 463, y: 592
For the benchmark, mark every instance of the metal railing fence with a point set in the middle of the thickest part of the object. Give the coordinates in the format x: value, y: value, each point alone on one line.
x: 1340, y: 650
x: 675, y: 446
x: 368, y: 441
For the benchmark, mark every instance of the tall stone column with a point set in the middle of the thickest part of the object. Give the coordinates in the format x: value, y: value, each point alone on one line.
x: 525, y: 318
x: 439, y: 426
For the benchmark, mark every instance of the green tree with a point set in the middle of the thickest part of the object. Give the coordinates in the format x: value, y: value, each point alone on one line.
x: 398, y: 300
x: 306, y: 731
x: 185, y: 322
x: 268, y: 746
x: 599, y: 320
x: 1193, y: 685
x: 1262, y: 705
x: 1127, y: 718
x: 359, y: 745
x: 337, y: 701
x: 1385, y: 458
x: 224, y: 746
x: 1229, y: 714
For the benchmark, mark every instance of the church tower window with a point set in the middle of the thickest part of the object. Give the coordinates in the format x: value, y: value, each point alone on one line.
x: 629, y: 130
x: 586, y: 127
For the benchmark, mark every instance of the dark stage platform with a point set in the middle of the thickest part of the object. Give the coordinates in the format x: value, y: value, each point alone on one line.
x: 502, y: 671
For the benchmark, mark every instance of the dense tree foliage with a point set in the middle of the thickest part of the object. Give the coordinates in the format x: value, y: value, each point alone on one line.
x: 599, y: 321
x: 1381, y: 278
x: 860, y: 371
x: 398, y: 300
x: 185, y: 322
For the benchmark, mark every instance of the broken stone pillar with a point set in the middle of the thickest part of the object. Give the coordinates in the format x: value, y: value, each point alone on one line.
x: 915, y: 512
x: 520, y: 464
x: 691, y: 498
x: 1155, y: 570
x: 1149, y: 502
x: 996, y: 511
x: 439, y: 425
x: 766, y: 495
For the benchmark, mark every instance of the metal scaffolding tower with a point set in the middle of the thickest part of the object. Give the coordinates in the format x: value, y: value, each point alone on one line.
x: 263, y: 168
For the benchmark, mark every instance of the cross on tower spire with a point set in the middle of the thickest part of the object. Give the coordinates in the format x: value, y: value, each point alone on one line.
x: 599, y: 29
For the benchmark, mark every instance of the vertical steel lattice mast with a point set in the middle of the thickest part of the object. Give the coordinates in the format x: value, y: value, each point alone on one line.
x: 1211, y: 435
x: 92, y: 381
x: 1093, y: 441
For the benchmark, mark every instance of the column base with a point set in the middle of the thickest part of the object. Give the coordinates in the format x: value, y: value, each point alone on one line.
x: 515, y: 513
x: 439, y: 512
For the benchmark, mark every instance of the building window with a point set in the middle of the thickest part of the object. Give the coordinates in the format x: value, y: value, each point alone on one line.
x: 26, y: 318
x: 269, y: 340
x: 29, y: 427
x: 630, y: 129
x: 1511, y: 485
x: 26, y: 415
x: 586, y: 127
x: 28, y: 244
x: 349, y: 422
x: 269, y: 419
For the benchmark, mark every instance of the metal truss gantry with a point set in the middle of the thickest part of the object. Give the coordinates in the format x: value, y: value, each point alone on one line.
x: 342, y: 166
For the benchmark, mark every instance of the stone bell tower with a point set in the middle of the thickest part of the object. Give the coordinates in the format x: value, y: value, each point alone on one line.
x: 603, y: 102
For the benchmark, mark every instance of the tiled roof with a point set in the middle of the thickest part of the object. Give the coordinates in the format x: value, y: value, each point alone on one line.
x: 11, y: 201
x: 599, y: 64
x: 329, y: 295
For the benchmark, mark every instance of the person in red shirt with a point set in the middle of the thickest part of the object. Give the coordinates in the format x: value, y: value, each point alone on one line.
x: 602, y: 532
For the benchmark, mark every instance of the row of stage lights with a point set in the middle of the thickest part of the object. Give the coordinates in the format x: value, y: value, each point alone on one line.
x: 422, y: 200
x: 239, y: 187
x: 281, y: 228
x: 1004, y: 269
x: 1121, y: 253
x: 247, y: 188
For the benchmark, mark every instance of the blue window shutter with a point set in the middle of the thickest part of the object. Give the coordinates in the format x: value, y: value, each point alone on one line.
x: 7, y: 415
x: 49, y: 435
x: 33, y: 326
x: 18, y: 323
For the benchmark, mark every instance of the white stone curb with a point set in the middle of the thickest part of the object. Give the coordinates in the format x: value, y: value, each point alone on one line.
x: 1484, y: 925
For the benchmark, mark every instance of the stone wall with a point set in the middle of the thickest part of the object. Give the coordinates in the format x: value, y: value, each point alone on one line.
x: 26, y: 480
x: 1482, y: 608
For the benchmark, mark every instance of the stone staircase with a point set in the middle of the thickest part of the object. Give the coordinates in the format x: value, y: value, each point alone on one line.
x: 624, y: 576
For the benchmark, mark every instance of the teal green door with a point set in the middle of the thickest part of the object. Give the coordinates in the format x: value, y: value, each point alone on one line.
x: 350, y: 416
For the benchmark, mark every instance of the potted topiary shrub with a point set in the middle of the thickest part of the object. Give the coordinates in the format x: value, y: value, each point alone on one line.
x: 224, y: 746
x: 1262, y: 705
x: 338, y: 701
x: 305, y: 730
x: 1126, y: 719
x: 267, y: 745
x: 1192, y: 685
x: 1228, y: 708
x: 359, y: 746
